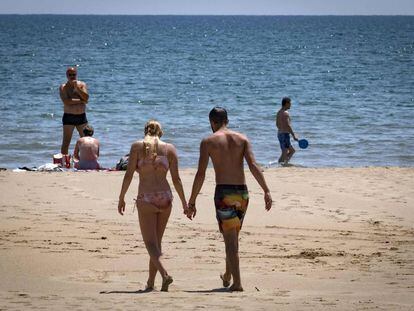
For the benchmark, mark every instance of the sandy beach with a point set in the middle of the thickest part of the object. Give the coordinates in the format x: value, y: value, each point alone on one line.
x: 336, y: 239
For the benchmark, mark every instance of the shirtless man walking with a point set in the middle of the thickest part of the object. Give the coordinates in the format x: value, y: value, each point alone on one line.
x: 74, y: 95
x: 86, y: 151
x: 228, y: 149
x: 284, y: 130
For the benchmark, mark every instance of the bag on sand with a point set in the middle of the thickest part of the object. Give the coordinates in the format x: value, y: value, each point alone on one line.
x: 122, y: 163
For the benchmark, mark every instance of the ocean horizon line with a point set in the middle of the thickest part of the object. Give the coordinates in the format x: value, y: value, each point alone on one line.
x: 212, y: 15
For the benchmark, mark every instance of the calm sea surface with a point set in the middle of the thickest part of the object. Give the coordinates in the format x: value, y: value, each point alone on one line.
x: 351, y: 80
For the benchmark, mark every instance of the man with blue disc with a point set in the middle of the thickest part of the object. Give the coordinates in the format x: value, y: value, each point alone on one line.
x: 284, y: 130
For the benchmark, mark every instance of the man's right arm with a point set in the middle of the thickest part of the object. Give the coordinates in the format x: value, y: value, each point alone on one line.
x: 257, y: 174
x: 201, y: 173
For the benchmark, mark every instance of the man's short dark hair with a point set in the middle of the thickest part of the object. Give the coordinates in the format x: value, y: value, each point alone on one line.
x: 88, y: 130
x: 285, y: 100
x: 218, y: 115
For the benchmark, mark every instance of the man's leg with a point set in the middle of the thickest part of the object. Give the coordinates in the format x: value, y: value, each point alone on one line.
x: 80, y: 129
x: 226, y: 276
x: 280, y: 158
x: 284, y: 156
x: 231, y: 241
x: 281, y: 148
x: 291, y: 151
x: 67, y: 137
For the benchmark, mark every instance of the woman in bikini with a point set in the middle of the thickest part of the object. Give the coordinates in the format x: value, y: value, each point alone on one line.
x: 152, y: 158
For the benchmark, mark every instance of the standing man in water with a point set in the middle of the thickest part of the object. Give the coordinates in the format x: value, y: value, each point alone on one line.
x: 74, y: 95
x: 284, y: 130
x: 228, y: 149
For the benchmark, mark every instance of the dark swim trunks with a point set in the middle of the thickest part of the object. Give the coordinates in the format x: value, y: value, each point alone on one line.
x: 284, y: 140
x: 74, y: 119
x: 231, y: 204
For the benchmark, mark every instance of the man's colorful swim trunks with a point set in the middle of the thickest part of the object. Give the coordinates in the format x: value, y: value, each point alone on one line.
x: 231, y: 204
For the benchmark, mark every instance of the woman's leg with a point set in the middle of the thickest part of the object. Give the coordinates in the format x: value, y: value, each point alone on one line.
x: 148, y: 220
x: 162, y: 221
x: 152, y: 274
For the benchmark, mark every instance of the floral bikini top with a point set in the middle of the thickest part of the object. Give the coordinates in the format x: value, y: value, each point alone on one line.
x: 155, y: 161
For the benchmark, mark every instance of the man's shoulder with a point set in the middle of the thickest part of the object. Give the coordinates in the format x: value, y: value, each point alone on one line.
x: 208, y: 138
x: 238, y: 135
x: 283, y: 113
x: 218, y: 137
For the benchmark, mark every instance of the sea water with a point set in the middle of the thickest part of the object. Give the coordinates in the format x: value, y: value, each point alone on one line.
x: 351, y: 81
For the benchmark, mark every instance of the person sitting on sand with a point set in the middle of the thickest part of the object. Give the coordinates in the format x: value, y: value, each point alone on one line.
x: 228, y: 149
x: 86, y: 151
x: 152, y: 158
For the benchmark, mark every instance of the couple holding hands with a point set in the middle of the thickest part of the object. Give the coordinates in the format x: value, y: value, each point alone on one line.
x: 153, y: 158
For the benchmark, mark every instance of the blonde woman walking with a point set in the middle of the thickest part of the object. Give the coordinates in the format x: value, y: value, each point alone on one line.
x: 152, y: 159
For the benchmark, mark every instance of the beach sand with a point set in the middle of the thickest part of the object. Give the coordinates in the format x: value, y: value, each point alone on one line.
x: 335, y: 239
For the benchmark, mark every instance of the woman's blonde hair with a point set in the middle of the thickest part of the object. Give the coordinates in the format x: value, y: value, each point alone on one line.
x: 153, y: 132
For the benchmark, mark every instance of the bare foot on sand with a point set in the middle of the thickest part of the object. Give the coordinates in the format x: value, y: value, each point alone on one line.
x: 166, y: 282
x: 226, y: 280
x: 149, y: 287
x: 234, y: 288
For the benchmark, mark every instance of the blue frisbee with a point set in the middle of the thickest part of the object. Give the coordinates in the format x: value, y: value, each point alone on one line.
x: 303, y: 143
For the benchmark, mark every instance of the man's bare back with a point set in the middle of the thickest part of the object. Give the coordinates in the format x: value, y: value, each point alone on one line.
x: 86, y: 151
x: 88, y: 148
x: 226, y: 149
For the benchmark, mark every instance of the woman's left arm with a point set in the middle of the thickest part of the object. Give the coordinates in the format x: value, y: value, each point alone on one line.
x: 175, y: 176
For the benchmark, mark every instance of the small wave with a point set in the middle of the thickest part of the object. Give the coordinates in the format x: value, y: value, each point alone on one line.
x: 50, y: 115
